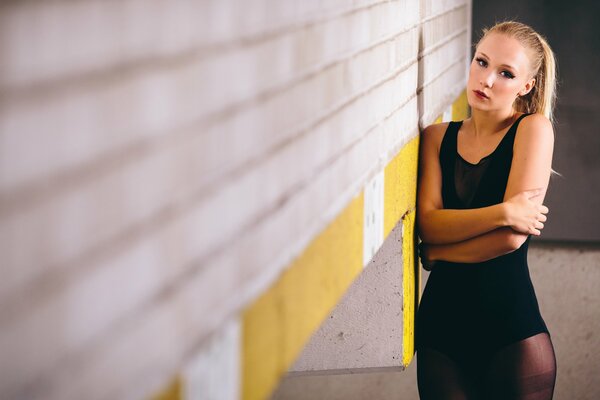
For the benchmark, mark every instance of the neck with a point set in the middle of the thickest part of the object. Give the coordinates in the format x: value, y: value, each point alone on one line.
x: 487, y: 123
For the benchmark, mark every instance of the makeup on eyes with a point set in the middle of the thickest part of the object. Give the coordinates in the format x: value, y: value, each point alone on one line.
x: 510, y: 74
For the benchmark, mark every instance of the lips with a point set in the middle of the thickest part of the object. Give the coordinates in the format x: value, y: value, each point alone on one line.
x: 480, y: 94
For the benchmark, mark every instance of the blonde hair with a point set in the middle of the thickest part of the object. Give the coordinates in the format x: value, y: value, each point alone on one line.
x: 542, y: 97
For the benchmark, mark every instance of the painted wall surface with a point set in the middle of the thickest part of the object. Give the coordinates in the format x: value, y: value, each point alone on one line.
x: 372, y: 327
x: 184, y: 187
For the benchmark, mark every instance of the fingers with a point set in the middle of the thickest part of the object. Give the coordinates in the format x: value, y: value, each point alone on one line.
x: 539, y: 225
x: 543, y: 209
x: 536, y: 229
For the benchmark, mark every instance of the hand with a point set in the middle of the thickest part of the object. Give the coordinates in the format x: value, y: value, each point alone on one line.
x: 425, y: 255
x: 524, y: 215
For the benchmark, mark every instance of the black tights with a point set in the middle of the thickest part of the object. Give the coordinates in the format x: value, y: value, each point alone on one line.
x: 525, y: 370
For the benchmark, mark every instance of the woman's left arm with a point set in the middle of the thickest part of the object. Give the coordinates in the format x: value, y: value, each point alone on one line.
x: 530, y: 168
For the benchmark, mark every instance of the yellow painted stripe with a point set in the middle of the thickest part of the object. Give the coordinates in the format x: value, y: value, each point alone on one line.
x: 399, y: 203
x: 400, y: 185
x: 279, y: 323
x: 172, y: 392
x: 460, y: 107
x: 408, y: 287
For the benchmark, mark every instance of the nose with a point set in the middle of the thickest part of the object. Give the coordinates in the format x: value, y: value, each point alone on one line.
x: 487, y: 79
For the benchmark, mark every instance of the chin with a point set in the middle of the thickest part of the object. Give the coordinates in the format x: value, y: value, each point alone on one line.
x: 473, y: 103
x: 477, y: 104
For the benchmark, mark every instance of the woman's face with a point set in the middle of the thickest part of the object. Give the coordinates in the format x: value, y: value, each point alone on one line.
x: 499, y: 69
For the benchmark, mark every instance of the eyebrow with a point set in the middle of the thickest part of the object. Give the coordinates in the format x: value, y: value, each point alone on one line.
x: 502, y: 65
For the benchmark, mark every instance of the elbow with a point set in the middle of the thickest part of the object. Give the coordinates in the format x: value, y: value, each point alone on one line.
x: 422, y: 234
x: 422, y: 230
x: 427, y: 234
x: 515, y: 240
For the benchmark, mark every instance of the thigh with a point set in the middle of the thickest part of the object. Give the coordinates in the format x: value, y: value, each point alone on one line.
x: 440, y: 377
x: 525, y: 370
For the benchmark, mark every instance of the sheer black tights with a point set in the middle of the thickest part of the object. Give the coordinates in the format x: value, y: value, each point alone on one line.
x: 525, y: 370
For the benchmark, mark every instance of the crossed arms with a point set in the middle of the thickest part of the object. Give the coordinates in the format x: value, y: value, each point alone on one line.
x: 476, y: 235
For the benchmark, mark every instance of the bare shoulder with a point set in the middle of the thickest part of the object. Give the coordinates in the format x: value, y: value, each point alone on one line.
x: 434, y: 133
x: 436, y: 129
x: 535, y: 129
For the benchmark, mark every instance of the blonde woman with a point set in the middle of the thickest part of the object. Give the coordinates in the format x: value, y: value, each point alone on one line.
x: 482, y: 181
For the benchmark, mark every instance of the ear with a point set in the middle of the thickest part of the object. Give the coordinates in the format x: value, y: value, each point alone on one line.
x: 528, y: 86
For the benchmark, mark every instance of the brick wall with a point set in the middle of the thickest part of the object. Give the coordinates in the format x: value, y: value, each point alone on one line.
x: 162, y: 163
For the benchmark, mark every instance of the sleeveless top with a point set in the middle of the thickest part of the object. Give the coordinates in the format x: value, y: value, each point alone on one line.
x: 494, y: 297
x: 463, y: 185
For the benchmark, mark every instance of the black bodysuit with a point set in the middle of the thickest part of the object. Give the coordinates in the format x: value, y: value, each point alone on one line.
x: 470, y: 311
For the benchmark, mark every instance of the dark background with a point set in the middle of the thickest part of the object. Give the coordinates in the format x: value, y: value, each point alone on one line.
x: 572, y: 28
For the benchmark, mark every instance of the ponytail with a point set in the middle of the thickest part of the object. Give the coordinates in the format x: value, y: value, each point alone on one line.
x: 542, y: 97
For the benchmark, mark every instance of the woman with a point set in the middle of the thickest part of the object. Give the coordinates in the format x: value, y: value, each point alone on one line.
x: 482, y: 181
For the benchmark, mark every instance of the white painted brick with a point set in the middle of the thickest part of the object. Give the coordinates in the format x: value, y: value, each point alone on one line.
x: 434, y: 97
x: 441, y: 27
x: 33, y: 46
x: 76, y: 127
x: 406, y: 46
x: 71, y: 38
x: 368, y: 66
x: 209, y: 296
x: 438, y: 60
x: 139, y: 189
x: 52, y: 134
x: 214, y: 372
x: 431, y: 8
x: 400, y: 128
x: 202, y: 227
x: 174, y: 212
x: 373, y: 217
x: 62, y: 228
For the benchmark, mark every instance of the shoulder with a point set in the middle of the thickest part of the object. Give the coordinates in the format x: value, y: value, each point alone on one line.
x: 535, y: 128
x: 534, y: 138
x: 433, y: 134
x: 436, y: 129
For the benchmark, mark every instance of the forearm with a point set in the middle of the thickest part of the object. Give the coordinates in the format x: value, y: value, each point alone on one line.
x: 444, y: 226
x: 481, y: 248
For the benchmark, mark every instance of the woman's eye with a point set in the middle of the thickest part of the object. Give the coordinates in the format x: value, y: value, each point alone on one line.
x: 481, y: 62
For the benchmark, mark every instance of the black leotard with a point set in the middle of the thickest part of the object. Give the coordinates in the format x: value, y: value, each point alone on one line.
x: 470, y: 310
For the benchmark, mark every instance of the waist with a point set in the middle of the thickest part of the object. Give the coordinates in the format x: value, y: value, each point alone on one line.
x: 510, y: 271
x: 516, y: 257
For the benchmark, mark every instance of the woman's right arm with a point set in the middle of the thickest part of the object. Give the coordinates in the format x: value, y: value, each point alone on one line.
x: 437, y: 225
x: 478, y: 249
